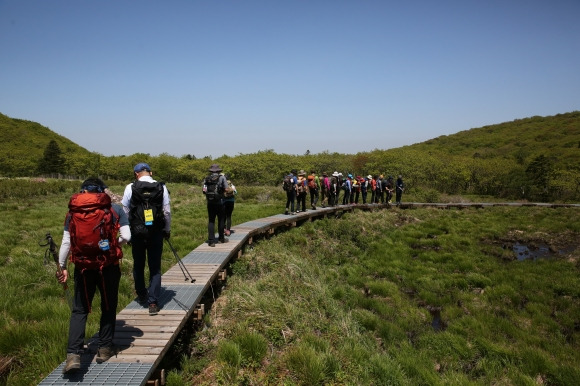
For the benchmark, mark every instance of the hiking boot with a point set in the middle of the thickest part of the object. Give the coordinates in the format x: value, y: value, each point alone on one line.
x: 211, y: 243
x: 154, y: 308
x: 223, y: 241
x: 73, y: 363
x: 105, y: 353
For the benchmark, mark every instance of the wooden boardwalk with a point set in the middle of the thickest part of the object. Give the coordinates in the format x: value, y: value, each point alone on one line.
x: 145, y: 339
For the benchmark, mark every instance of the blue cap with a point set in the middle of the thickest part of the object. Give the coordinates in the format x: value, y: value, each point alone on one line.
x: 140, y: 167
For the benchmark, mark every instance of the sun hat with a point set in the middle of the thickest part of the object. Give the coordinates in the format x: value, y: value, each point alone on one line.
x: 140, y: 167
x: 215, y: 168
x: 370, y: 177
x: 335, y: 174
x: 301, y: 173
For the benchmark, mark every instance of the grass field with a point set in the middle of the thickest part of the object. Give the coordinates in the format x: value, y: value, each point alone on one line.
x: 423, y: 296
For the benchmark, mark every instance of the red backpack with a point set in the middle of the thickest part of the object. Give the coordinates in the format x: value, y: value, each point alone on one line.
x: 311, y: 182
x: 93, y: 227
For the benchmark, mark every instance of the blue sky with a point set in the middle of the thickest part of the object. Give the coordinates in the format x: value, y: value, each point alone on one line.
x: 218, y: 77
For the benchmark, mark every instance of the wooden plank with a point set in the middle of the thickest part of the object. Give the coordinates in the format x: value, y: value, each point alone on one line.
x: 126, y: 342
x: 134, y: 358
x: 150, y: 335
x: 143, y: 350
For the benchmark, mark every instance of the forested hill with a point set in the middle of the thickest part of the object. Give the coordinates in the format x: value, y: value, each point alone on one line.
x: 535, y: 158
x: 23, y: 144
x: 556, y: 137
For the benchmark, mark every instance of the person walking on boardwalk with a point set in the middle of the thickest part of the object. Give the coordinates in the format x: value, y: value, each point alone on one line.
x: 339, y: 182
x: 313, y: 188
x: 324, y: 188
x: 289, y: 185
x: 347, y: 187
x: 380, y: 190
x: 400, y: 186
x: 333, y: 190
x: 96, y: 266
x: 147, y: 203
x: 229, y: 201
x: 214, y: 187
x: 389, y: 187
x: 374, y: 189
x: 302, y: 190
x: 364, y: 188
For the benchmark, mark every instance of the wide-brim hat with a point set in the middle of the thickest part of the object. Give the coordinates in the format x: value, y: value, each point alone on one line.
x: 370, y: 177
x: 215, y: 168
x: 301, y: 173
x: 335, y: 174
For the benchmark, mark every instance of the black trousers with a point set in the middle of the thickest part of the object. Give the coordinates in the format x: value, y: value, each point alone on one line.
x: 290, y: 200
x: 85, y: 286
x: 215, y: 209
x: 228, y: 210
x: 148, y: 249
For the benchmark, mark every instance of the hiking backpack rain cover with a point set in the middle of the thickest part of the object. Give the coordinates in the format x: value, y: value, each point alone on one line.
x: 93, y: 226
x: 146, y: 207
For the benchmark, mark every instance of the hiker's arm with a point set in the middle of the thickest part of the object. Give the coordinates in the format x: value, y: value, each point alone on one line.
x: 166, y: 210
x: 125, y: 234
x: 62, y: 255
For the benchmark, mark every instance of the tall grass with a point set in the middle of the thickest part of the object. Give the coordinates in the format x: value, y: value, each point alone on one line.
x: 34, y: 312
x: 355, y: 300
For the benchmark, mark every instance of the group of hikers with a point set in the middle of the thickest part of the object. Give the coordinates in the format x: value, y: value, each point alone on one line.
x: 328, y: 189
x: 95, y: 228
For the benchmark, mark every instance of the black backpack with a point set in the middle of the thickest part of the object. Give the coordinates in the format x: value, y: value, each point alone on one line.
x: 287, y: 184
x: 146, y: 207
x: 213, y: 192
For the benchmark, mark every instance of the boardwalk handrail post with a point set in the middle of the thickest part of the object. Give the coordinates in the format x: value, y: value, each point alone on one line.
x: 180, y: 262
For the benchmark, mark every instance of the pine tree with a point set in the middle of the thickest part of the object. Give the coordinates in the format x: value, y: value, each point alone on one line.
x: 52, y: 161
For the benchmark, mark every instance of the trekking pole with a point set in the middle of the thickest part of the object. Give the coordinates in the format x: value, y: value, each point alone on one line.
x: 180, y: 263
x: 52, y: 250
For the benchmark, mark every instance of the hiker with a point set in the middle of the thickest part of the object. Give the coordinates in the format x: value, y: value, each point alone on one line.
x: 333, y: 190
x: 103, y: 273
x: 146, y: 201
x: 302, y: 191
x: 355, y: 190
x: 364, y: 188
x: 324, y: 189
x: 390, y: 186
x: 313, y: 188
x: 347, y: 187
x: 229, y: 200
x: 380, y: 190
x: 289, y: 185
x: 374, y: 189
x: 214, y: 186
x: 339, y: 182
x: 400, y: 186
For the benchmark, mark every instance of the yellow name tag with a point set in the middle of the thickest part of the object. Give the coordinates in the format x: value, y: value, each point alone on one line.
x: 148, y: 216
